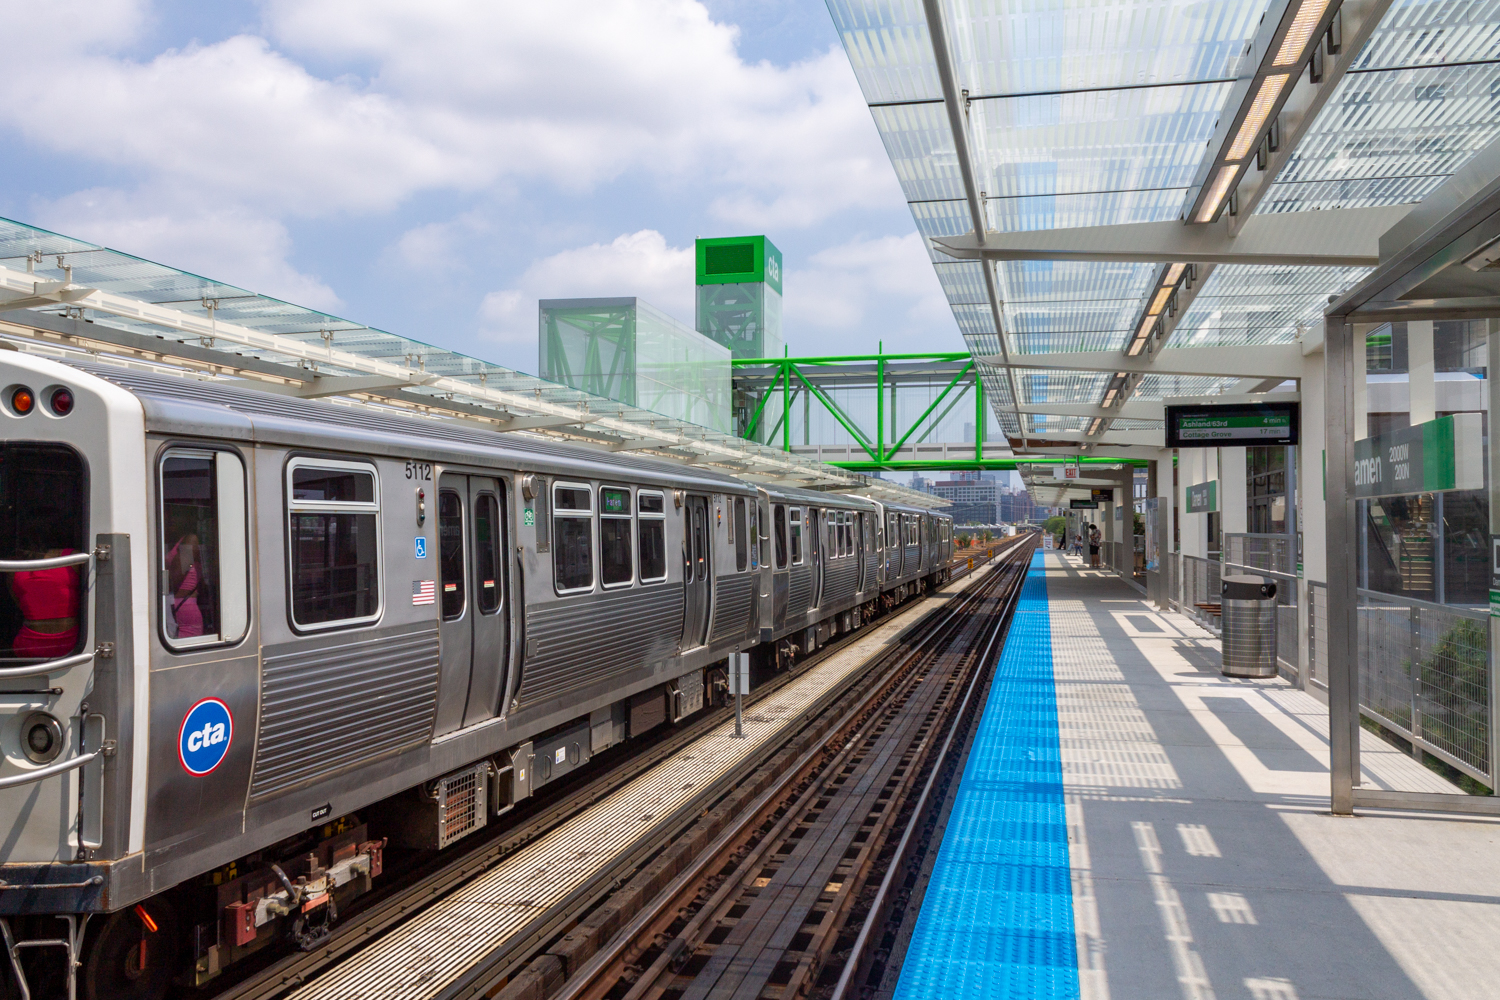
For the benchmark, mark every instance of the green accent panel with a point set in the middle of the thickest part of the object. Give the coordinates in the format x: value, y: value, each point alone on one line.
x: 734, y: 260
x: 1432, y: 457
x: 989, y: 464
x: 1438, y: 471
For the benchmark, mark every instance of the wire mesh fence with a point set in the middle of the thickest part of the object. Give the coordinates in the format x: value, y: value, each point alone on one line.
x: 1424, y: 674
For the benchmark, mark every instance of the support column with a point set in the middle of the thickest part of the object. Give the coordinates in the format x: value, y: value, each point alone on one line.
x: 1493, y: 398
x: 1164, y: 574
x: 1312, y: 518
x: 1342, y: 348
x: 1422, y: 373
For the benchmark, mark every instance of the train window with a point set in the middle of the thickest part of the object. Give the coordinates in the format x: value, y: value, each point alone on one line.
x: 846, y: 532
x: 451, y: 553
x: 573, y: 539
x: 614, y: 537
x: 780, y: 532
x: 487, y: 552
x: 652, y: 531
x: 794, y: 533
x: 333, y: 542
x: 43, y: 512
x: 741, y: 540
x: 204, y: 581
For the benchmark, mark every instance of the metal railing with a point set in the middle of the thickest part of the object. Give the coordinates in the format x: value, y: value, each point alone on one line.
x: 1424, y: 675
x: 46, y: 668
x: 1200, y: 585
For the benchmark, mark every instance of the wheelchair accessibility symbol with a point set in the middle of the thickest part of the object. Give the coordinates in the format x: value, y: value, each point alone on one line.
x: 421, y: 546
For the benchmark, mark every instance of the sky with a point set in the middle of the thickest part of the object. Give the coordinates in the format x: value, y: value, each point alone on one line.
x: 434, y: 168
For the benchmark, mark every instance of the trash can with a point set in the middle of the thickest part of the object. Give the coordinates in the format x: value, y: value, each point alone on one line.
x: 1249, y: 622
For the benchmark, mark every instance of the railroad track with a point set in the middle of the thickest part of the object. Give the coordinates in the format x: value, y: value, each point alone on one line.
x: 790, y: 900
x: 414, y: 890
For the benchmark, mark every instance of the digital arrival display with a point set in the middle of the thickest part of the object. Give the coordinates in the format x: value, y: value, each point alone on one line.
x: 1230, y: 424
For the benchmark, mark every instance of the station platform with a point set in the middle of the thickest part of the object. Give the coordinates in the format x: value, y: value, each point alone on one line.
x: 1132, y: 824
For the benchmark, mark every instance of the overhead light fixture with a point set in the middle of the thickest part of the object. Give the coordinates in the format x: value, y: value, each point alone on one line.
x: 1160, y: 302
x: 1094, y: 426
x: 1174, y: 273
x: 1210, y: 209
x: 1294, y: 44
x: 1109, y: 397
x: 1136, y: 346
x: 1255, y: 118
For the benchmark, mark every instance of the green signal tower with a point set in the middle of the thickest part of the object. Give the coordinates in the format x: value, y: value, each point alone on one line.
x: 739, y: 295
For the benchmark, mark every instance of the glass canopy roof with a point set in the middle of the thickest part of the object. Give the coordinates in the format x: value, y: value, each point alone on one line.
x: 248, y: 330
x: 1100, y: 113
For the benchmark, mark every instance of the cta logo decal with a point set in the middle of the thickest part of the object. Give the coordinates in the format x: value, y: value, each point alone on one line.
x: 204, y: 737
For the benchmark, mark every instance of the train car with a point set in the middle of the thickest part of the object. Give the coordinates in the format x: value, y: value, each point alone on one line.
x: 818, y: 569
x: 253, y: 642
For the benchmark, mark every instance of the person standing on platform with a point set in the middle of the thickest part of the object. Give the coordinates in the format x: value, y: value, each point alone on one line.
x: 1094, y: 539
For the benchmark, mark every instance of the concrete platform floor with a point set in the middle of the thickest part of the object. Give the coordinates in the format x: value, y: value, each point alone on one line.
x: 1204, y: 861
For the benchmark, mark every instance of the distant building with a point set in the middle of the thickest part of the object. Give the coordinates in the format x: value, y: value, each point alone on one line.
x: 975, y: 501
x: 1016, y: 506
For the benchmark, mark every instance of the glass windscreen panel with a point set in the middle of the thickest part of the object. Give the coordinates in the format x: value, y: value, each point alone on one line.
x: 1423, y: 532
x: 43, y: 514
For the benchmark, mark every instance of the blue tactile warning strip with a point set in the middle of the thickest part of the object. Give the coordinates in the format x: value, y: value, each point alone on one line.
x: 997, y: 919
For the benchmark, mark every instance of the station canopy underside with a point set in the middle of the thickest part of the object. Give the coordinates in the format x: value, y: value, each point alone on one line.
x: 1119, y: 181
x: 65, y: 295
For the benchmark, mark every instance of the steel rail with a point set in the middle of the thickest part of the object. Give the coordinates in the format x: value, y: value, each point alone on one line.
x: 588, y: 976
x: 877, y: 906
x: 492, y: 971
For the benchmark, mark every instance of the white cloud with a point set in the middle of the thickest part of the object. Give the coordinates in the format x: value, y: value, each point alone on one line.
x: 639, y: 264
x: 459, y: 95
x: 884, y: 284
x: 227, y: 243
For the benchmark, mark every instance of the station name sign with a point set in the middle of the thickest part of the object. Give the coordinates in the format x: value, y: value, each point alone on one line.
x: 1433, y: 457
x: 1202, y: 498
x: 1227, y: 425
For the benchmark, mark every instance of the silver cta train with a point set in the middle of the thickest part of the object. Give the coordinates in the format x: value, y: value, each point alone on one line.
x: 251, y: 644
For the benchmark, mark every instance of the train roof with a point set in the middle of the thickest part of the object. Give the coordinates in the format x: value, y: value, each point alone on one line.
x: 176, y: 405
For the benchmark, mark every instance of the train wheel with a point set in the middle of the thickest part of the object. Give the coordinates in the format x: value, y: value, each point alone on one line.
x: 134, y: 955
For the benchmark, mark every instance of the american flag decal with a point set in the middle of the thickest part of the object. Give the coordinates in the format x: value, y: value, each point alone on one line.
x: 423, y: 592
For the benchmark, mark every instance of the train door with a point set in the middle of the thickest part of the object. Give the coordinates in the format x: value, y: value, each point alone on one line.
x: 474, y: 632
x: 815, y: 549
x: 859, y: 549
x: 696, y: 572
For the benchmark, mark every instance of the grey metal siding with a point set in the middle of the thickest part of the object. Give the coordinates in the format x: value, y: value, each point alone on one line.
x: 731, y: 607
x: 324, y: 710
x: 578, y: 641
x: 799, y: 593
x: 839, y: 580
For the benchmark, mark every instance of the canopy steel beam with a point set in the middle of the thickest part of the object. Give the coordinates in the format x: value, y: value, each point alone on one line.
x: 958, y: 124
x: 1349, y: 28
x: 1345, y: 237
x: 1263, y: 360
x: 1288, y: 37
